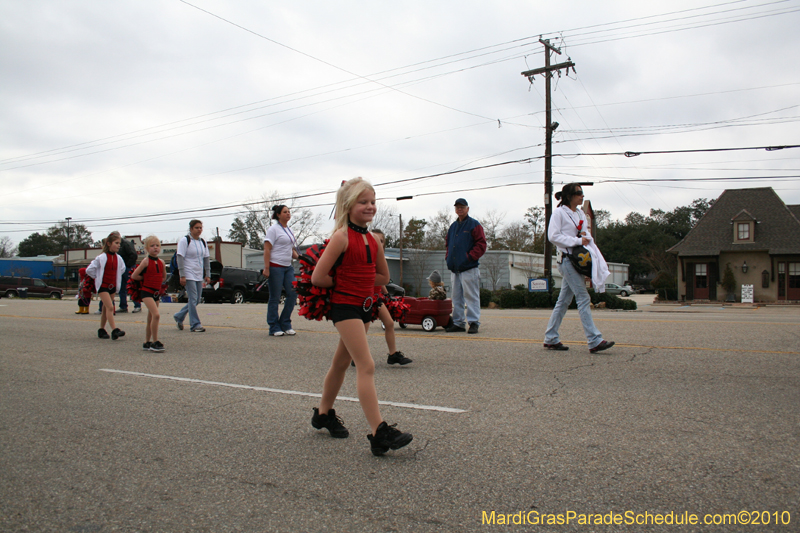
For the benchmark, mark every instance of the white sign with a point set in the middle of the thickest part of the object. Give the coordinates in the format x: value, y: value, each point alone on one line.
x: 747, y: 294
x: 537, y: 285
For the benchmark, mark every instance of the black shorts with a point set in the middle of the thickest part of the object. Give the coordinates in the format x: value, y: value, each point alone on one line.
x: 147, y: 294
x: 110, y: 290
x: 341, y: 312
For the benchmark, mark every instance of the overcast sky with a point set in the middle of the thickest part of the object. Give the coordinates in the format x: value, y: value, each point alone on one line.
x: 144, y: 107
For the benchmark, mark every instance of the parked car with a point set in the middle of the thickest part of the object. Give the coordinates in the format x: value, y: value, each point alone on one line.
x: 235, y: 285
x: 619, y: 290
x: 35, y: 286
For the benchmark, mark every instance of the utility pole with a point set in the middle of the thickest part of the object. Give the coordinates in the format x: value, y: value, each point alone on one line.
x: 401, y: 250
x: 550, y: 127
x: 66, y: 256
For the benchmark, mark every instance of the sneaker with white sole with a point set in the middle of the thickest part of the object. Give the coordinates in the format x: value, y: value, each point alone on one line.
x: 157, y: 347
x: 277, y: 334
x: 146, y: 346
x: 178, y: 323
x: 290, y: 332
x: 137, y: 310
x: 198, y: 329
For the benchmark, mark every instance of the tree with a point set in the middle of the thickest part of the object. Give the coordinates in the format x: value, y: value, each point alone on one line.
x: 641, y: 241
x: 7, y: 248
x: 55, y: 241
x: 517, y: 237
x: 437, y: 230
x: 414, y: 233
x: 535, y: 222
x: 492, y: 222
x: 251, y: 227
x: 602, y: 218
x: 387, y: 220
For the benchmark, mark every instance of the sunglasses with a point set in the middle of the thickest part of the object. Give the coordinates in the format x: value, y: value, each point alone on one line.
x: 578, y: 193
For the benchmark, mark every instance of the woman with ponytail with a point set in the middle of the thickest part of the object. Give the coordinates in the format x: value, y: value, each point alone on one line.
x: 569, y: 229
x: 280, y: 247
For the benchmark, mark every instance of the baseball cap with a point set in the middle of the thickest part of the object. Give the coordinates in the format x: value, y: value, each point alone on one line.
x: 461, y: 201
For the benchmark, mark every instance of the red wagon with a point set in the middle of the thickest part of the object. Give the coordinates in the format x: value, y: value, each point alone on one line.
x: 428, y: 313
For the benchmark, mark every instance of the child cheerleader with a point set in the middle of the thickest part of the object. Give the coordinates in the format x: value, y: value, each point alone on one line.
x: 152, y: 275
x: 395, y: 357
x: 106, y: 269
x: 361, y: 267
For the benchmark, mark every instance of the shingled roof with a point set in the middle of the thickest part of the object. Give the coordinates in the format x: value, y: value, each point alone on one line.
x: 777, y: 228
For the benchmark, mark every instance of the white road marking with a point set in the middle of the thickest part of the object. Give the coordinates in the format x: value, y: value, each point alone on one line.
x: 281, y: 391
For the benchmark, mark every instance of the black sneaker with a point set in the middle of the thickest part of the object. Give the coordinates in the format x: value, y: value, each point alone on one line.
x: 559, y: 346
x: 157, y: 347
x: 146, y: 346
x: 121, y: 310
x: 605, y: 345
x: 454, y: 329
x: 386, y: 437
x: 102, y: 333
x: 116, y: 333
x: 397, y: 358
x: 331, y: 422
x: 473, y: 328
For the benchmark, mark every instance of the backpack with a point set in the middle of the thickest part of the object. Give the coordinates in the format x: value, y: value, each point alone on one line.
x: 128, y: 253
x: 173, y: 263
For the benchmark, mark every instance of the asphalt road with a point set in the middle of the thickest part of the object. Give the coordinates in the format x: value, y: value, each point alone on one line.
x: 695, y: 411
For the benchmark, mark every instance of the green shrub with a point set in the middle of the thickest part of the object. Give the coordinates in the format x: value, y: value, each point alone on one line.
x: 486, y: 297
x: 520, y: 287
x: 512, y: 299
x: 537, y: 300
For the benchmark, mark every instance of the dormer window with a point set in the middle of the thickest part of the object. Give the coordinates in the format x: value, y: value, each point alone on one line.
x: 744, y: 225
x: 742, y: 231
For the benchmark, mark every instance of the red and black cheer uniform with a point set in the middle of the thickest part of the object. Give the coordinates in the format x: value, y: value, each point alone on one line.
x: 109, y: 281
x: 152, y: 278
x: 354, y: 293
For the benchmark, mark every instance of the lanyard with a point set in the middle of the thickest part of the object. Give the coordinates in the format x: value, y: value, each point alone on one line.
x: 290, y: 235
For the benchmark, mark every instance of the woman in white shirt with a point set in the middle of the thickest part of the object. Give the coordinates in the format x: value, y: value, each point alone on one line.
x: 280, y: 247
x: 568, y: 228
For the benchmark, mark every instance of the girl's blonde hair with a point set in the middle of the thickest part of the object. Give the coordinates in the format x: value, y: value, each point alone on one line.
x: 346, y: 198
x: 150, y: 239
x: 113, y: 236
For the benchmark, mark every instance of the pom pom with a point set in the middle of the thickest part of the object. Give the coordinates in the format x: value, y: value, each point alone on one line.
x: 396, y: 306
x: 134, y: 290
x: 314, y: 302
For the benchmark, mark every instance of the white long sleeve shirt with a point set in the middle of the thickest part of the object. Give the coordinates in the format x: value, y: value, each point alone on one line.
x: 563, y: 232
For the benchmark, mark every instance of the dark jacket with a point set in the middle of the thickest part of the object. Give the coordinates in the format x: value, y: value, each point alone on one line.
x: 466, y: 243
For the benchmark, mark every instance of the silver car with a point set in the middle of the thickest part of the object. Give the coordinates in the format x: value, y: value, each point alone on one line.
x: 619, y: 290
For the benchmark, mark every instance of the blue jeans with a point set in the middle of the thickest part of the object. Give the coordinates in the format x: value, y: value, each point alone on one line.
x: 466, y: 287
x: 194, y: 291
x: 123, y: 291
x: 572, y: 284
x: 280, y: 278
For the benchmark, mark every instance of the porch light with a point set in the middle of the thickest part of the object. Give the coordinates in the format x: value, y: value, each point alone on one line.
x: 744, y: 267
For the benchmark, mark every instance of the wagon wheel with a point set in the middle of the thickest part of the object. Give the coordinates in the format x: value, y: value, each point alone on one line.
x: 429, y: 323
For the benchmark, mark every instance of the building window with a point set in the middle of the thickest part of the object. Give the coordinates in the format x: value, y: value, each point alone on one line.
x: 743, y: 231
x: 701, y: 275
x: 794, y: 275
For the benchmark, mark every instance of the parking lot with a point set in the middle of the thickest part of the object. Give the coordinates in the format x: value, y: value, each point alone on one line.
x: 695, y: 410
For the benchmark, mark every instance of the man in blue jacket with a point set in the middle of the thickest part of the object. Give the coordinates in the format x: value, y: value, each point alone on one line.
x: 466, y: 243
